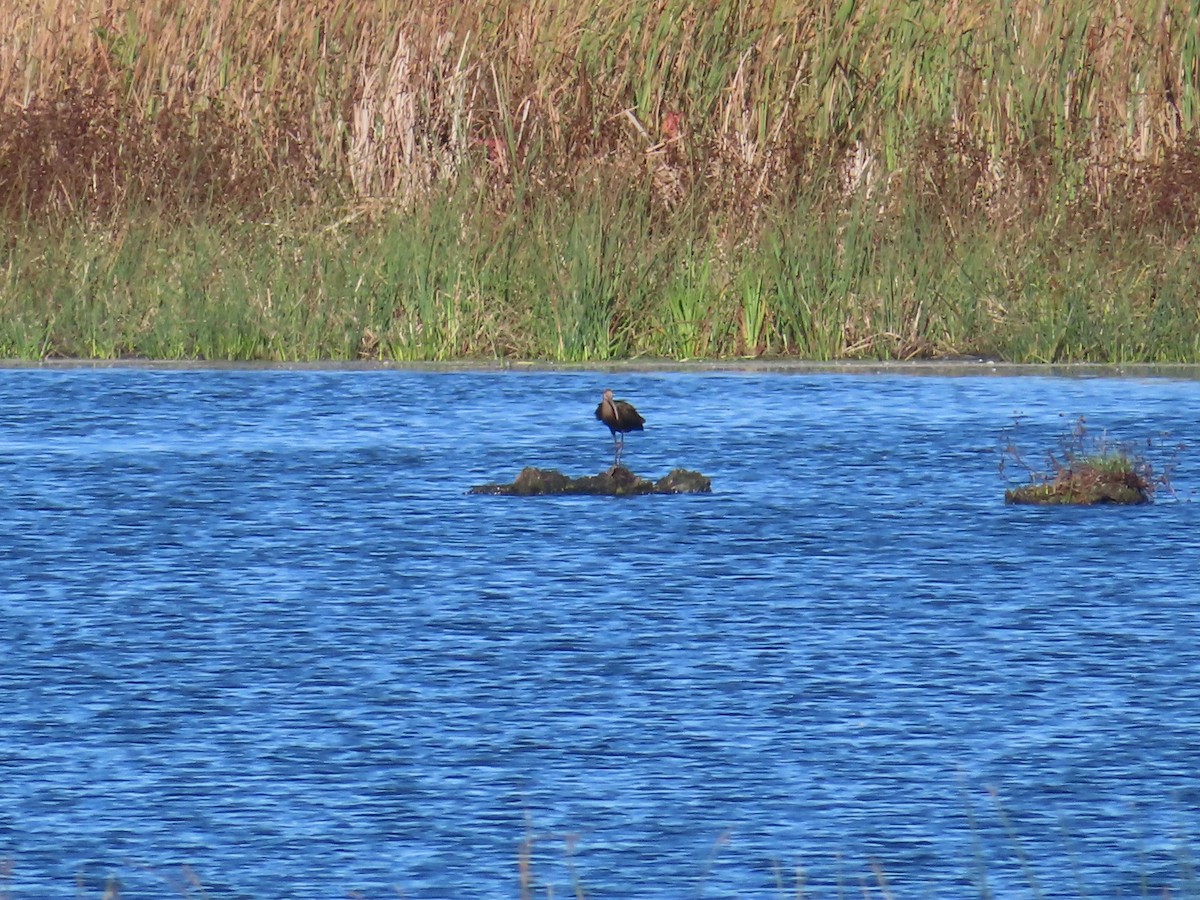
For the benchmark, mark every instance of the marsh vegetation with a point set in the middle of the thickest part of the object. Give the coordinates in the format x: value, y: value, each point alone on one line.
x: 380, y: 180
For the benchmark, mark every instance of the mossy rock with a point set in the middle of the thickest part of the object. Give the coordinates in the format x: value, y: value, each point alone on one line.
x: 616, y: 482
x: 1085, y: 486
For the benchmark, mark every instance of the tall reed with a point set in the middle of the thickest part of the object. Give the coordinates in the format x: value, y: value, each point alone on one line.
x: 594, y: 280
x: 637, y: 177
x: 383, y: 98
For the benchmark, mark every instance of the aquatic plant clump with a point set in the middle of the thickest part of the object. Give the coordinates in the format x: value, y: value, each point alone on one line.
x: 616, y: 482
x: 1086, y: 470
x: 1088, y: 482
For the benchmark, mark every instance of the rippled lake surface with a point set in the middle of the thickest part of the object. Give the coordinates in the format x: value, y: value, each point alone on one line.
x: 257, y: 638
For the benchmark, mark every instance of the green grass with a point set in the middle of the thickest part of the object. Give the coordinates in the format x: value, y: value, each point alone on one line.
x: 600, y: 275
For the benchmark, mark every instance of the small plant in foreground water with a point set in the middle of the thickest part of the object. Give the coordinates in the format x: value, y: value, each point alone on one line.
x: 1086, y: 468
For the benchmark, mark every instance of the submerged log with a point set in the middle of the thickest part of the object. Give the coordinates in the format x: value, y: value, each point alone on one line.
x: 615, y: 482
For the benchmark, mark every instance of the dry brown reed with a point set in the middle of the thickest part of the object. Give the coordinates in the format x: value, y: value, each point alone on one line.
x: 993, y: 105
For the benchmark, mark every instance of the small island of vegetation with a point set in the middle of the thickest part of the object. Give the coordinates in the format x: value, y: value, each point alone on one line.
x: 615, y: 482
x: 1086, y: 470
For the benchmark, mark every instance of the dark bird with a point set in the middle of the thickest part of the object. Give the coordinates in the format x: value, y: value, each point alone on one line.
x: 621, y: 418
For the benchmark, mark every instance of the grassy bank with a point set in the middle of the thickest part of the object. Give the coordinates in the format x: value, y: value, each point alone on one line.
x: 592, y: 280
x: 379, y: 180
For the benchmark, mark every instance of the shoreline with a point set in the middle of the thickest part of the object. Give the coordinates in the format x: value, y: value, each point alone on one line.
x: 947, y: 367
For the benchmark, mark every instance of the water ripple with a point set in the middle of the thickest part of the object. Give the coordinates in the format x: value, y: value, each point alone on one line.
x: 254, y: 627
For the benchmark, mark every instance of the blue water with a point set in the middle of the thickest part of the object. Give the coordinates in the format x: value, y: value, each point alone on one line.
x: 257, y: 638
